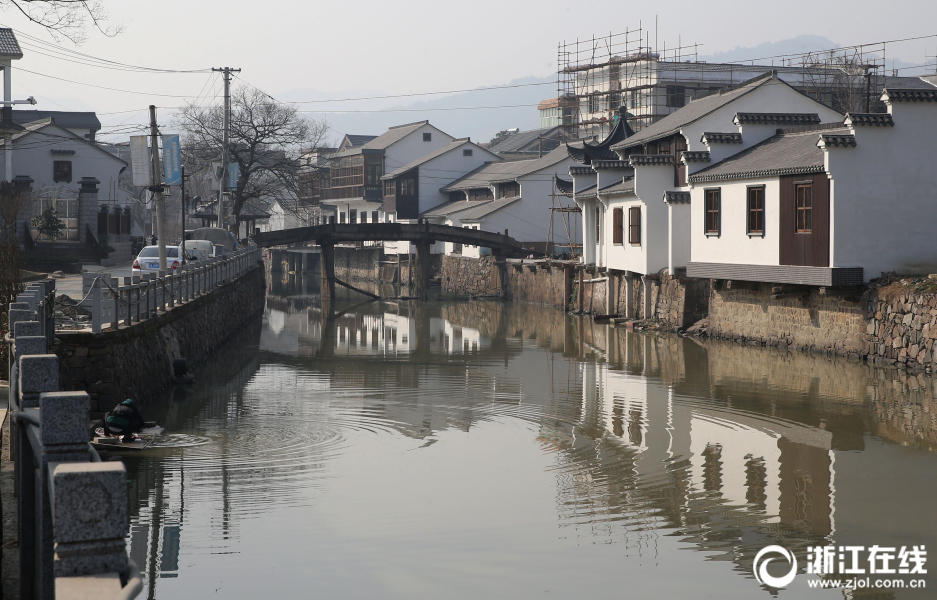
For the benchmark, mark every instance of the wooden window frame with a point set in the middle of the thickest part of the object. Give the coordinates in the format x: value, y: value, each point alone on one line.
x: 374, y: 216
x: 618, y: 226
x: 712, y: 217
x: 598, y: 225
x: 634, y: 225
x: 353, y: 216
x: 62, y: 171
x: 803, y: 215
x: 754, y: 214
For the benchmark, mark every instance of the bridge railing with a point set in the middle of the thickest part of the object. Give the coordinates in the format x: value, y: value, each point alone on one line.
x: 71, y: 507
x: 143, y: 297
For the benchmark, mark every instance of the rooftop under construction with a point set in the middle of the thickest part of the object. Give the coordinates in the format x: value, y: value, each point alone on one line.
x: 597, y: 75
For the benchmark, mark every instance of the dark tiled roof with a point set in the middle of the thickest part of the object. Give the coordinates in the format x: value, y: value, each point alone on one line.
x: 696, y: 156
x: 486, y: 208
x: 672, y: 197
x: 651, y: 159
x: 877, y: 119
x: 908, y: 83
x: 393, y: 135
x: 585, y: 151
x: 748, y: 118
x: 619, y: 187
x: 718, y: 137
x: 912, y: 95
x: 509, y: 170
x: 834, y: 139
x: 528, y: 141
x: 359, y: 140
x: 564, y: 187
x: 692, y: 112
x: 66, y: 119
x: 581, y: 171
x: 450, y: 208
x: 611, y: 164
x: 8, y: 44
x: 783, y: 154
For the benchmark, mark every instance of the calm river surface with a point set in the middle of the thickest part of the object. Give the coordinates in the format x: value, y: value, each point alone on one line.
x: 490, y: 450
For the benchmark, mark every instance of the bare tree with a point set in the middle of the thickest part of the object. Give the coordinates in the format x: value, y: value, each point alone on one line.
x: 68, y: 19
x: 13, y: 203
x: 266, y: 141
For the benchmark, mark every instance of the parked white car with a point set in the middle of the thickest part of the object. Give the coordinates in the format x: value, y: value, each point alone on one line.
x: 148, y: 260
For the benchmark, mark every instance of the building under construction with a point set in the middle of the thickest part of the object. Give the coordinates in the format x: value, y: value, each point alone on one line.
x: 597, y: 76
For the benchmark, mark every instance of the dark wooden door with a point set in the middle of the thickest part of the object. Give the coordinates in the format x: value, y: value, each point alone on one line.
x: 804, y: 234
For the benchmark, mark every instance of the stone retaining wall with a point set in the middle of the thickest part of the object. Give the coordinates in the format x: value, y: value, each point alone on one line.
x: 902, y: 325
x: 828, y: 324
x: 466, y: 277
x: 136, y: 361
x: 540, y: 285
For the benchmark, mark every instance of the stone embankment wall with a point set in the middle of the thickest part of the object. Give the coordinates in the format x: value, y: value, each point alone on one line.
x: 804, y: 320
x: 548, y: 285
x: 136, y: 361
x: 902, y: 325
x: 466, y: 277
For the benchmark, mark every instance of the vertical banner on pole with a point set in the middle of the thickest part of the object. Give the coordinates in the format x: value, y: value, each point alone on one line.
x: 234, y: 172
x: 172, y: 160
x: 140, y: 161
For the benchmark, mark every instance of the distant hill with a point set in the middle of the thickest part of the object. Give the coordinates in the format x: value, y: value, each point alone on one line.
x: 517, y: 106
x: 797, y: 45
x: 481, y: 124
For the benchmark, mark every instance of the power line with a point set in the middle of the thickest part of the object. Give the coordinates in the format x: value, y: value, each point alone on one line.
x: 101, y: 86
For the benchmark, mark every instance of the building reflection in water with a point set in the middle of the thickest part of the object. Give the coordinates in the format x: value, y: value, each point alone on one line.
x: 728, y: 448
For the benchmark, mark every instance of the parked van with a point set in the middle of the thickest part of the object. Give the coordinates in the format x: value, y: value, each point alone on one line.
x: 199, y: 249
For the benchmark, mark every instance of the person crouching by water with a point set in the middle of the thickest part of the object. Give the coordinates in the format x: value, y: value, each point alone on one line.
x: 124, y: 421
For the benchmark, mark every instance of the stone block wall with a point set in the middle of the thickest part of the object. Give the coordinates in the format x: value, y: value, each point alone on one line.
x: 681, y: 301
x: 902, y: 326
x: 136, y: 361
x: 541, y: 285
x: 466, y: 277
x: 829, y: 324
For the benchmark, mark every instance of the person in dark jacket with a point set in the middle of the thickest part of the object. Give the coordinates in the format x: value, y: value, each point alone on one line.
x: 125, y: 420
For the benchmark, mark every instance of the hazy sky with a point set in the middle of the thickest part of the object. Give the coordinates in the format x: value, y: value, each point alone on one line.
x: 406, y: 46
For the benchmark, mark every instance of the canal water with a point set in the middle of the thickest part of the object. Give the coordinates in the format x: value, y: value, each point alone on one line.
x: 490, y: 450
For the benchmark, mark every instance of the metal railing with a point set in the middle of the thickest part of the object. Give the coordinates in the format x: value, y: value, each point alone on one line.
x: 72, y: 508
x: 143, y: 297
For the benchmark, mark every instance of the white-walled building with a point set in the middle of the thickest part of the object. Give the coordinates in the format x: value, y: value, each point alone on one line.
x: 824, y: 206
x: 635, y: 204
x: 512, y: 196
x: 355, y: 187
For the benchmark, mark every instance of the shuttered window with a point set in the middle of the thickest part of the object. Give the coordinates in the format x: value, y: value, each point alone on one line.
x: 756, y: 210
x: 804, y: 195
x: 713, y: 207
x: 618, y: 226
x: 634, y: 225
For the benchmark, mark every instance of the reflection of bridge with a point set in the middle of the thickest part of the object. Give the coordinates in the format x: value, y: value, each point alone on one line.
x: 422, y: 235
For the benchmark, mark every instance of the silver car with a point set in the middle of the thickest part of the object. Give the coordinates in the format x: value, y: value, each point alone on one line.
x: 148, y: 260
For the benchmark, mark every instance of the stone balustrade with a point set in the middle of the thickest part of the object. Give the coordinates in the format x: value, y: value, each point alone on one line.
x: 71, y: 507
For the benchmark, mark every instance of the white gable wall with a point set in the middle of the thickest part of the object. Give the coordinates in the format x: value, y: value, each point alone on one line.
x: 445, y: 169
x: 32, y: 156
x: 883, y: 195
x: 411, y: 147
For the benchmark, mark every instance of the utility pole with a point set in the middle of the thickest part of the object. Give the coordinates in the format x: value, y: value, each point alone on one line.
x: 226, y: 75
x: 183, y: 203
x: 157, y: 189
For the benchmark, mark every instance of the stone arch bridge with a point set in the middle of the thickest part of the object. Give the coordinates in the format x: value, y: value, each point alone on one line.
x: 422, y: 235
